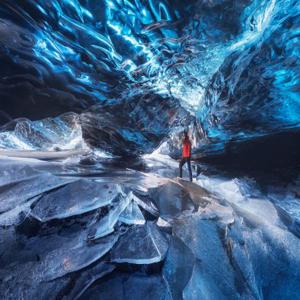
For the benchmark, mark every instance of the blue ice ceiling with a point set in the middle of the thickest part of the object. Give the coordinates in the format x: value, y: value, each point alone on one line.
x: 233, y: 64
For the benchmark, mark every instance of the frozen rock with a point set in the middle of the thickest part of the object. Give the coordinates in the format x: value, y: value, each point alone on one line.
x: 73, y: 199
x: 141, y: 244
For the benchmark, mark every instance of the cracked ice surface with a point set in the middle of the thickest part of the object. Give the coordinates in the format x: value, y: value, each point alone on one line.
x: 20, y: 189
x: 73, y: 199
x: 135, y: 235
x: 141, y: 245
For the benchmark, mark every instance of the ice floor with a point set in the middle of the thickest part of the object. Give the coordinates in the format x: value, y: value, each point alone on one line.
x: 87, y: 228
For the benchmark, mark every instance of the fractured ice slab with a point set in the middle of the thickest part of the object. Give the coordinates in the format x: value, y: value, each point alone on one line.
x: 124, y: 208
x: 106, y: 224
x: 214, y: 272
x: 229, y: 189
x: 140, y: 286
x: 17, y: 192
x: 132, y: 214
x: 18, y: 214
x: 267, y: 258
x: 87, y: 278
x: 47, y: 258
x: 146, y: 204
x: 141, y: 244
x: 76, y: 256
x: 122, y: 286
x: 12, y: 173
x: 178, y: 267
x: 202, y: 287
x: 73, y: 199
x: 171, y: 199
x: 23, y: 284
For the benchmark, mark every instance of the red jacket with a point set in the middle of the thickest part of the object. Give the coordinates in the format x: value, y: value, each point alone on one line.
x: 186, y: 149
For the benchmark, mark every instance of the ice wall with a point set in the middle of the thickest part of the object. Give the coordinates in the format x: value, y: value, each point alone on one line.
x: 232, y: 64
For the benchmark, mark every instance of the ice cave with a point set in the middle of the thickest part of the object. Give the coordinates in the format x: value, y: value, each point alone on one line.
x: 102, y: 102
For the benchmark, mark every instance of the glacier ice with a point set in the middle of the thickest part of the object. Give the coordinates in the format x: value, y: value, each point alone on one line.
x: 203, y: 239
x: 87, y: 278
x: 73, y: 199
x: 147, y: 238
x: 17, y: 192
x: 171, y: 199
x: 216, y: 238
x: 178, y: 267
x: 125, y: 208
x: 76, y: 255
x: 18, y: 214
x: 63, y: 132
x: 126, y: 78
x: 132, y: 214
x: 106, y: 224
x: 135, y: 286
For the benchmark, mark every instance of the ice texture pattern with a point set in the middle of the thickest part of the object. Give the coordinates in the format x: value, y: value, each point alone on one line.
x: 231, y: 68
x: 216, y: 238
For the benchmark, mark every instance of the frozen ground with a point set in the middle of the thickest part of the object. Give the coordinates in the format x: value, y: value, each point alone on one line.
x: 88, y: 228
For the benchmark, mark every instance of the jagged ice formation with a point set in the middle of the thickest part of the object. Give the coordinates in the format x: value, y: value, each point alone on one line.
x: 104, y: 88
x: 233, y: 65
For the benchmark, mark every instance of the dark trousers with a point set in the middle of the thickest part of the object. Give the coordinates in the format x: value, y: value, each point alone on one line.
x: 181, y: 164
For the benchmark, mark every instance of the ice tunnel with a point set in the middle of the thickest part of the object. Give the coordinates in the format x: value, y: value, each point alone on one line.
x: 231, y: 66
x: 94, y: 98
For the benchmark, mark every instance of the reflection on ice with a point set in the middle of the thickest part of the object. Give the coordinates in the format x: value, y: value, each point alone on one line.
x: 171, y: 199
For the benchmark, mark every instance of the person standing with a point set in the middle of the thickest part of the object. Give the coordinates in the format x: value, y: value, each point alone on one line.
x: 186, y: 155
